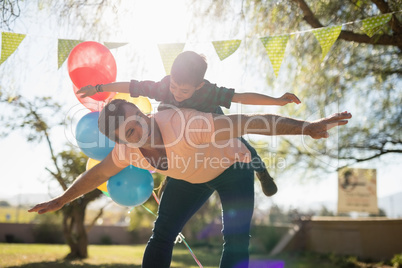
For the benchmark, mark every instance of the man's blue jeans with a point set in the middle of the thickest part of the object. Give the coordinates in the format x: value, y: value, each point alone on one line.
x: 181, y: 200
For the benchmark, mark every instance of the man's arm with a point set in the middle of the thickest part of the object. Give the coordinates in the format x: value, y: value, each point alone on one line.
x: 260, y: 99
x: 232, y: 126
x: 84, y: 183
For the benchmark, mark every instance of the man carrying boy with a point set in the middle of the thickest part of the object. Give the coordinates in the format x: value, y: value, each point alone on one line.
x: 187, y: 88
x: 156, y: 142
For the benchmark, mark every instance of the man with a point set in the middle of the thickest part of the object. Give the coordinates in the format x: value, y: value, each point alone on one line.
x: 199, y: 148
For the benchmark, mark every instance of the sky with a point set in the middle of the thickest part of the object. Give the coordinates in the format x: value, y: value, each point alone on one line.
x: 23, y: 164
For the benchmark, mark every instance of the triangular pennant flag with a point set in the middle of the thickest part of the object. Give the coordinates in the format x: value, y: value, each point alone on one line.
x: 275, y: 47
x: 169, y: 53
x: 9, y: 43
x: 327, y: 37
x: 110, y: 45
x: 372, y: 25
x: 226, y: 48
x: 64, y: 48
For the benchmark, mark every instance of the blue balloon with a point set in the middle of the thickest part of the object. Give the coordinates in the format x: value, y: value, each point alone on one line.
x: 90, y: 140
x: 131, y: 187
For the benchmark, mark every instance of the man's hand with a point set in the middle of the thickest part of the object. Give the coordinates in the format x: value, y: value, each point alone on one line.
x: 288, y: 98
x: 86, y: 91
x: 52, y: 205
x: 319, y: 128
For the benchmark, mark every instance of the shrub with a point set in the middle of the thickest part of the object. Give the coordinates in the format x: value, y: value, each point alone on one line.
x: 48, y: 229
x: 106, y: 240
x: 397, y: 261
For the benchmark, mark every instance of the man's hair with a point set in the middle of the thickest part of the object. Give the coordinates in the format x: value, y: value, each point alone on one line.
x: 189, y: 68
x: 111, y: 116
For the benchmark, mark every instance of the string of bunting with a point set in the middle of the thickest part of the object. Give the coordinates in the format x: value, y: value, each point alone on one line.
x: 274, y: 45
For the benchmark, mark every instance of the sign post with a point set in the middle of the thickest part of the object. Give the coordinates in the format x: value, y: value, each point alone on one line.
x: 357, y: 191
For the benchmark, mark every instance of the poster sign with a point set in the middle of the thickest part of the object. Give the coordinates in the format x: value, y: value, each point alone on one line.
x: 357, y: 190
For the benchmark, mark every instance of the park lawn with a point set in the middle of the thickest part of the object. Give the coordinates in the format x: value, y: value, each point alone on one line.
x: 119, y: 256
x: 44, y: 255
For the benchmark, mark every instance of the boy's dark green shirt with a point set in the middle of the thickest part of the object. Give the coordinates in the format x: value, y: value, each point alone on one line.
x: 206, y: 99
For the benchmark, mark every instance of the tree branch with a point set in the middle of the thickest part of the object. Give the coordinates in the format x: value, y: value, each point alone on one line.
x: 309, y: 16
x: 394, y: 40
x: 49, y: 143
x: 384, y: 8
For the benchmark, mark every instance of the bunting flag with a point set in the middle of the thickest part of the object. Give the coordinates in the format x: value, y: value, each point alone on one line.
x: 372, y: 25
x: 169, y: 53
x: 327, y: 37
x: 275, y: 47
x: 226, y: 48
x: 64, y: 48
x: 111, y: 45
x: 9, y: 43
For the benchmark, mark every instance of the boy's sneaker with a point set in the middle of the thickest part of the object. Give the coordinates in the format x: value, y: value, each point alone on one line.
x: 268, y: 185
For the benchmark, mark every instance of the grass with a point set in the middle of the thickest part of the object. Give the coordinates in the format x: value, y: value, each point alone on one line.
x: 118, y: 256
x: 41, y: 255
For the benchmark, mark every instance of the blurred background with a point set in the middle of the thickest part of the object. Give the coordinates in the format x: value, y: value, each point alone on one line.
x: 359, y: 74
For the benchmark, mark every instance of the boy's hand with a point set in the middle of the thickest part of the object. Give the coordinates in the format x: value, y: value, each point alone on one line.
x: 319, y: 128
x: 87, y: 91
x: 288, y: 98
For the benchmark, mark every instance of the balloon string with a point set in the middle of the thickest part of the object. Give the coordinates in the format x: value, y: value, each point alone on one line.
x: 156, y: 197
x: 180, y: 237
x: 150, y: 211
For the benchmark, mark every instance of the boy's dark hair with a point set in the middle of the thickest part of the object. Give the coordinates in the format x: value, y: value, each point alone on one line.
x: 189, y: 68
x: 111, y: 116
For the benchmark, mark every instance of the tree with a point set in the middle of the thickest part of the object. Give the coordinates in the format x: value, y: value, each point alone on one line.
x: 36, y: 119
x: 4, y: 204
x: 360, y: 73
x: 83, y: 14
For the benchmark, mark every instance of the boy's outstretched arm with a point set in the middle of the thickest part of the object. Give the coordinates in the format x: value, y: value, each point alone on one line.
x: 260, y: 99
x: 122, y: 87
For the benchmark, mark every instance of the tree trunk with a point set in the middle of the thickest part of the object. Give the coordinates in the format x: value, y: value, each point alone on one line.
x: 74, y: 229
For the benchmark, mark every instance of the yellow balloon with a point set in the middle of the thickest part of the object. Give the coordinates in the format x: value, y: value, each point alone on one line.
x: 103, y: 187
x: 142, y: 103
x: 90, y: 164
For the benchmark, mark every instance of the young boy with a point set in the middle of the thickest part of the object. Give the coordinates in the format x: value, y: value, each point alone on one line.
x: 186, y: 87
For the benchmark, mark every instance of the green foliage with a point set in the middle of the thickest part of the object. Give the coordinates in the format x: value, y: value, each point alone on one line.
x: 4, y: 203
x: 267, y: 237
x: 358, y: 75
x: 397, y: 261
x: 73, y: 163
x: 342, y: 261
x: 106, y: 240
x: 48, y: 229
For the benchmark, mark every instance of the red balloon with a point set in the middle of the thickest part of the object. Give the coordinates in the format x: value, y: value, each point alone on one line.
x: 91, y: 103
x: 91, y: 63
